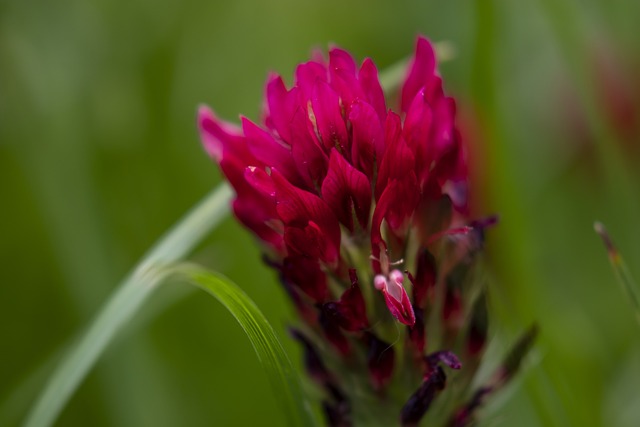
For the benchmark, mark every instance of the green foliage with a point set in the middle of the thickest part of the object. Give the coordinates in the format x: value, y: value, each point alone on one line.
x: 152, y: 271
x: 283, y: 377
x: 125, y: 303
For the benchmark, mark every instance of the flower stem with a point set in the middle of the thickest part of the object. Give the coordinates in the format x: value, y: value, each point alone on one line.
x: 124, y: 303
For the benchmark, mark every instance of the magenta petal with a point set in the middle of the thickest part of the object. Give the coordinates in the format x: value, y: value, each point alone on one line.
x: 347, y: 190
x: 254, y: 205
x: 257, y: 219
x: 282, y: 105
x: 397, y: 192
x: 417, y: 132
x: 311, y: 228
x: 450, y: 166
x: 289, y: 118
x: 433, y: 91
x: 400, y: 309
x: 308, y: 240
x: 350, y: 312
x: 295, y: 206
x: 341, y: 60
x: 451, y: 173
x: 392, y: 129
x: 330, y: 123
x: 307, y: 75
x: 367, y: 137
x: 218, y: 136
x: 306, y: 274
x: 342, y: 76
x: 397, y: 205
x: 311, y: 161
x: 395, y: 296
x: 444, y: 112
x: 261, y: 181
x: 398, y: 160
x: 269, y: 151
x: 308, y: 155
x: 421, y: 72
x: 370, y: 84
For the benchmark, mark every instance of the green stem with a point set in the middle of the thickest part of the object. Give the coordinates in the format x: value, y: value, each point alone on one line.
x: 124, y: 303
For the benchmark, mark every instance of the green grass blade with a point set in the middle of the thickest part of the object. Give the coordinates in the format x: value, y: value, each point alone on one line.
x: 124, y: 303
x: 620, y: 268
x: 281, y: 374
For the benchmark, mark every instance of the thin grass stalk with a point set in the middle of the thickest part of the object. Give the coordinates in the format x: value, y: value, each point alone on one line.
x: 124, y: 303
x: 626, y: 280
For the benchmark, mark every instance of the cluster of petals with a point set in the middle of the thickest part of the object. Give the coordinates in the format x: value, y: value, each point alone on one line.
x: 359, y: 207
x: 329, y: 161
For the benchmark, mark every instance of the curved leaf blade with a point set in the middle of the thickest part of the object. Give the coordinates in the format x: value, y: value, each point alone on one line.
x: 280, y: 372
x: 124, y: 303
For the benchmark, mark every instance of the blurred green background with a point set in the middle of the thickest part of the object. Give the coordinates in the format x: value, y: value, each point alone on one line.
x: 99, y: 155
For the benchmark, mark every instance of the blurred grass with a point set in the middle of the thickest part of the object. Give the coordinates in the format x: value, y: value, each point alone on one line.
x: 99, y: 155
x: 129, y: 298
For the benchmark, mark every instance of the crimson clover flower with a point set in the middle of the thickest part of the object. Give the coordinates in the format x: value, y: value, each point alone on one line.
x: 363, y: 213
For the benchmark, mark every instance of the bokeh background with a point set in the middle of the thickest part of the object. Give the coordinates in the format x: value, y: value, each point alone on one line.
x: 99, y: 155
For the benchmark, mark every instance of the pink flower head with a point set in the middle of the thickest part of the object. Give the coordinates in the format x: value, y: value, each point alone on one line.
x: 345, y: 194
x: 330, y: 163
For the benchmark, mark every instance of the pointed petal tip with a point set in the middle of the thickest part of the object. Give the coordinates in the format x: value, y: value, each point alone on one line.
x: 395, y: 297
x: 275, y: 84
x: 210, y: 138
x: 424, y: 45
x: 368, y: 62
x: 272, y: 75
x: 401, y: 310
x: 204, y: 112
